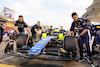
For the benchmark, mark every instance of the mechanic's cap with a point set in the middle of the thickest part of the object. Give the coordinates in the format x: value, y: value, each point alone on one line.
x: 74, y: 13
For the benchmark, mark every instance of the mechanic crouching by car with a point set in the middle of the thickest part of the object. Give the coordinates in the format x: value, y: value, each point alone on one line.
x: 92, y: 32
x: 81, y: 26
x: 36, y: 31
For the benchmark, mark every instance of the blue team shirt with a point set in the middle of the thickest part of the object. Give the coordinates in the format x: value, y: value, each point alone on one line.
x: 80, y: 25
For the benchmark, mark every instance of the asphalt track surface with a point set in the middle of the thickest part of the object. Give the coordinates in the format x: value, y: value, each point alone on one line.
x: 16, y: 61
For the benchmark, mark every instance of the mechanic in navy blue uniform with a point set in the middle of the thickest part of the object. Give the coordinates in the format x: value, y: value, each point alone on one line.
x: 62, y: 30
x: 35, y: 29
x: 20, y: 25
x: 92, y: 29
x: 80, y: 25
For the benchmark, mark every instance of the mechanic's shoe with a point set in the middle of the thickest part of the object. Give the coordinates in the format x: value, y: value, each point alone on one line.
x: 91, y: 61
x: 81, y: 59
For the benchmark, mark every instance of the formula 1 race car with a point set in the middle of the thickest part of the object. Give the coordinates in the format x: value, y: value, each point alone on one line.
x: 55, y: 47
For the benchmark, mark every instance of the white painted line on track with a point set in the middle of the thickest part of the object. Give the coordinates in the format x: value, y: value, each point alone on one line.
x: 6, y: 58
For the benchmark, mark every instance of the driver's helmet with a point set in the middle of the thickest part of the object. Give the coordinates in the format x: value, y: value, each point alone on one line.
x: 55, y: 32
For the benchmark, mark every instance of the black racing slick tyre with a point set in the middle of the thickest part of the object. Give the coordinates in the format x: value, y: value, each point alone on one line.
x: 21, y: 40
x: 69, y: 43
